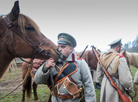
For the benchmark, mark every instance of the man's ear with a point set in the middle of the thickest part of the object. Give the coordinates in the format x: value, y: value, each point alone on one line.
x: 118, y: 46
x: 71, y: 48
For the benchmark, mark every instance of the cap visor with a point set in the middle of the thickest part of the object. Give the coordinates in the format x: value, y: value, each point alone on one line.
x: 61, y: 42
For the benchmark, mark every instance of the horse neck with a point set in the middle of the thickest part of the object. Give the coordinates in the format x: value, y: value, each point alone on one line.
x: 90, y: 59
x: 4, y: 63
x: 133, y: 58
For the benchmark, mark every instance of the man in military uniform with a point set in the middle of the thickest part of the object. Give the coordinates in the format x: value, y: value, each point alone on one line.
x: 70, y: 74
x: 118, y: 69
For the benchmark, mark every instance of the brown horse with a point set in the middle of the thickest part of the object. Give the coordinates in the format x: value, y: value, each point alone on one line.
x: 90, y: 58
x: 132, y: 58
x: 21, y: 37
x: 29, y: 83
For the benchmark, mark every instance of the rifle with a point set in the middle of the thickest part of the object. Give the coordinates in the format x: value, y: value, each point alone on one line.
x: 121, y: 94
x: 82, y: 99
x: 83, y: 51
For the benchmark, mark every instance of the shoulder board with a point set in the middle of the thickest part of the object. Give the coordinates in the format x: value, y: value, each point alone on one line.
x: 120, y: 55
x: 79, y: 58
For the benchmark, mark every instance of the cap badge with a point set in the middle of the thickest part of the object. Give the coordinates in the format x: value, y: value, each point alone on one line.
x: 61, y: 38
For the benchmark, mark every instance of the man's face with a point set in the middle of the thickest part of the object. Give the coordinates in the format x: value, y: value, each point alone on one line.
x: 119, y: 48
x: 65, y: 49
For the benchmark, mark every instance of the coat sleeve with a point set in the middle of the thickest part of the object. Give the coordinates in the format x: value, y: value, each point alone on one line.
x: 89, y: 89
x: 125, y: 77
x: 99, y: 73
x: 41, y: 77
x: 136, y: 77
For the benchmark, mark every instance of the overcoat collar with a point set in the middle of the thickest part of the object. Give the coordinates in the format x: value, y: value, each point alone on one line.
x: 72, y: 57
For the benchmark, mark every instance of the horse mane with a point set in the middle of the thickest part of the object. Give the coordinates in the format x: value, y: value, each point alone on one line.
x: 133, y: 58
x: 22, y: 20
x: 87, y: 54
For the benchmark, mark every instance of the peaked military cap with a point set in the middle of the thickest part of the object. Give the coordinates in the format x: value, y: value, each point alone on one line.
x: 64, y: 38
x: 116, y: 42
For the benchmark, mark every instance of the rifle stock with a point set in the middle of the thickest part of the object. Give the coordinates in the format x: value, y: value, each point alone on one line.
x: 122, y: 96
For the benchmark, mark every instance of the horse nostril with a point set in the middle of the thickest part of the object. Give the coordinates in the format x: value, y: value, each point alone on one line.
x: 58, y: 52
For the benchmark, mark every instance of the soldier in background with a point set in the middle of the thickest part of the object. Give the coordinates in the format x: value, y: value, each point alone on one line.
x: 118, y: 69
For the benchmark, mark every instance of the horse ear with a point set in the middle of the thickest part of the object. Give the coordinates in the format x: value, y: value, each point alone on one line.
x: 15, y: 11
x: 124, y: 53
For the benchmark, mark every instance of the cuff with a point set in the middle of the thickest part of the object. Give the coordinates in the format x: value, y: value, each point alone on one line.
x: 44, y: 69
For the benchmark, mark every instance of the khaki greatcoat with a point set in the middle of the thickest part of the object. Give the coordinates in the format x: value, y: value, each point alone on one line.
x: 124, y: 81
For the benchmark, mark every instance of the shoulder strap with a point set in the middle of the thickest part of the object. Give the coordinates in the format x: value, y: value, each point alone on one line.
x: 72, y: 80
x: 79, y: 58
x: 65, y: 66
x: 120, y: 55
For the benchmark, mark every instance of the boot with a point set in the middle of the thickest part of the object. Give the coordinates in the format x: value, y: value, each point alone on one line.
x: 98, y: 86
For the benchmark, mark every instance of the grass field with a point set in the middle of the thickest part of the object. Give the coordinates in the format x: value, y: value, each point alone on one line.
x: 11, y: 80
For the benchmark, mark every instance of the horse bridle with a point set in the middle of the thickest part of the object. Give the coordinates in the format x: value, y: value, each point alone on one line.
x: 36, y: 48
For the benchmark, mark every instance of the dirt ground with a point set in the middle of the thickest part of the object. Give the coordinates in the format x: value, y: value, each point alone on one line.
x: 11, y: 80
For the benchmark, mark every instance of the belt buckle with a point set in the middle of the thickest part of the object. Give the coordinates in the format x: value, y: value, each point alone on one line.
x: 80, y: 89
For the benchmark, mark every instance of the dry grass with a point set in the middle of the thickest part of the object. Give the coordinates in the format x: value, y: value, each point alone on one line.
x: 11, y: 80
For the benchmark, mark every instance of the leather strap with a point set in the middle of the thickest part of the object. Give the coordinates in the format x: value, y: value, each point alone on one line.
x: 64, y: 66
x: 62, y: 96
x: 72, y: 80
x: 66, y: 96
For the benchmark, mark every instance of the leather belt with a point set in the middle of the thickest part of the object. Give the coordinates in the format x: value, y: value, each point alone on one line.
x: 66, y: 96
x: 117, y: 77
x: 63, y: 96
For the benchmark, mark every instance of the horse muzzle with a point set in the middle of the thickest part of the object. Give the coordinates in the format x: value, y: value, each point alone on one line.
x: 61, y: 56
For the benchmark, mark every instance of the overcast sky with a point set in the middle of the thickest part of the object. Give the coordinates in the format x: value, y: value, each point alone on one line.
x: 91, y: 22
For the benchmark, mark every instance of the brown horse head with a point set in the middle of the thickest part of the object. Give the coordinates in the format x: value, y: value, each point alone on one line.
x: 20, y: 37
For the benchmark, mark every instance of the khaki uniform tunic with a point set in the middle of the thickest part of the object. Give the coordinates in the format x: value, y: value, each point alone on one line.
x: 124, y: 81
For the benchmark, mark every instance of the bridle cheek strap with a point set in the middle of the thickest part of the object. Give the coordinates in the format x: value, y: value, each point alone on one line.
x: 36, y: 48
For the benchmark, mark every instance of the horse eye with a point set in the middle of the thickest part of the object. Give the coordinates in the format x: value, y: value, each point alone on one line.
x: 30, y: 28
